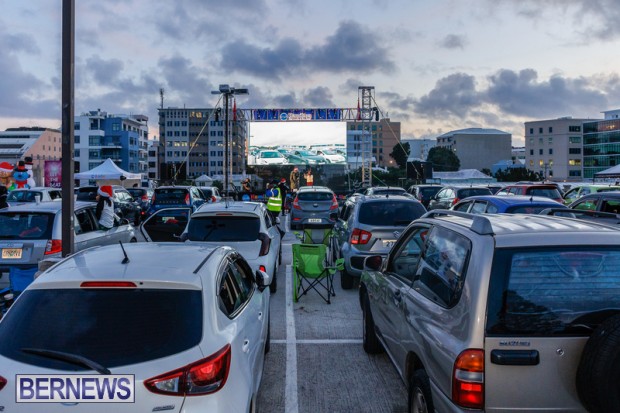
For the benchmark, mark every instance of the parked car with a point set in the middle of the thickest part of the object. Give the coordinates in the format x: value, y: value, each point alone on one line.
x: 270, y: 158
x: 211, y: 193
x: 143, y: 197
x: 293, y: 159
x: 449, y: 195
x: 313, y: 205
x: 370, y: 225
x: 424, y: 192
x: 498, y: 204
x: 473, y: 311
x: 310, y: 157
x: 332, y: 156
x: 18, y: 196
x: 599, y: 201
x: 176, y: 196
x: 597, y: 216
x: 386, y: 190
x: 547, y: 190
x: 245, y: 226
x: 124, y: 204
x: 168, y: 327
x: 579, y: 191
x: 30, y: 232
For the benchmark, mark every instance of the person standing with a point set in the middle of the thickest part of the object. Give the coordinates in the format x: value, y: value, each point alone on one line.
x: 105, y: 207
x: 309, y: 177
x: 3, y: 195
x: 274, y: 200
x: 294, y: 179
x: 284, y: 189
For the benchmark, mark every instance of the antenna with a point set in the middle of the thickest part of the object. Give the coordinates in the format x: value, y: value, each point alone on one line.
x: 126, y: 259
x: 161, y: 97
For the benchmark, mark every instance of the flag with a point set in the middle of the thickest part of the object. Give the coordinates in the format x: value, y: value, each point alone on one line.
x: 234, y: 110
x: 359, y: 112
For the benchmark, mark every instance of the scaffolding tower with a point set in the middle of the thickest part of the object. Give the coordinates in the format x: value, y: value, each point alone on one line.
x: 366, y: 97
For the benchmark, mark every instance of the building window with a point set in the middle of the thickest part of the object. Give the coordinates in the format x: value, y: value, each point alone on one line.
x: 76, y: 153
x: 550, y: 140
x: 531, y: 141
x: 116, y: 126
x: 540, y: 130
x: 574, y: 139
x: 531, y: 152
x: 574, y: 128
x: 531, y: 131
x: 550, y: 129
x: 574, y: 151
x: 540, y: 152
x: 550, y: 151
x: 574, y: 162
x: 574, y: 173
x: 531, y: 162
x: 540, y: 162
x: 76, y: 126
x: 540, y: 141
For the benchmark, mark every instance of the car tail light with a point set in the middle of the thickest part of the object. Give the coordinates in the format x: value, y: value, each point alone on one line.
x: 108, y: 284
x: 202, y: 377
x: 468, y: 379
x: 262, y: 268
x: 153, y: 198
x: 454, y: 202
x: 265, y: 244
x: 334, y: 203
x: 145, y: 197
x: 3, y: 382
x: 213, y: 199
x: 54, y: 246
x: 359, y: 236
x: 296, y: 203
x: 187, y: 199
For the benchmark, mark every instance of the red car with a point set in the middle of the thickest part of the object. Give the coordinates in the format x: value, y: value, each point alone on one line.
x: 545, y: 190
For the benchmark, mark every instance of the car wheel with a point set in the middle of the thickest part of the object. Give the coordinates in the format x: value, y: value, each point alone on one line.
x: 371, y: 342
x: 134, y: 239
x: 346, y: 279
x: 420, y: 398
x: 274, y: 282
x: 598, y: 373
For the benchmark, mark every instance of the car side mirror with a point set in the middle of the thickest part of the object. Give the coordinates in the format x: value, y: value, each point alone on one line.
x: 124, y: 221
x: 262, y: 280
x: 373, y: 263
x: 277, y: 220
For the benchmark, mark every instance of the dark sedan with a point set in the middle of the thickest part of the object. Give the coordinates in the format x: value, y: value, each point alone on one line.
x: 499, y: 204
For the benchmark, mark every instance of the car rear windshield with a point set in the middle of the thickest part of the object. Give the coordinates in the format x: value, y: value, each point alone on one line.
x: 315, y: 196
x: 390, y: 213
x: 235, y: 228
x: 553, y: 291
x: 137, y: 192
x: 546, y: 192
x: 389, y: 192
x: 528, y: 209
x: 24, y: 196
x: 429, y: 192
x: 170, y: 196
x: 111, y: 327
x: 466, y: 192
x: 87, y: 194
x: 26, y: 225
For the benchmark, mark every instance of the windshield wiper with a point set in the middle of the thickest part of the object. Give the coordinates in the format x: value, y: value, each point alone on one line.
x: 69, y: 358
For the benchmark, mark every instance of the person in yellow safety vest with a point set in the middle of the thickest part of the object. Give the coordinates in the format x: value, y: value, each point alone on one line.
x: 274, y: 202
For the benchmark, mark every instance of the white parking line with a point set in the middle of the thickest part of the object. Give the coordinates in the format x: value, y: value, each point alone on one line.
x: 320, y: 341
x: 291, y: 404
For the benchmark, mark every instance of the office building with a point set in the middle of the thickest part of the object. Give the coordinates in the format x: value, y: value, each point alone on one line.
x: 477, y: 148
x: 385, y: 134
x: 601, y: 143
x: 419, y: 148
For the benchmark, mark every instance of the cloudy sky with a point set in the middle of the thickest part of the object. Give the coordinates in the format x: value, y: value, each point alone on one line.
x: 436, y: 65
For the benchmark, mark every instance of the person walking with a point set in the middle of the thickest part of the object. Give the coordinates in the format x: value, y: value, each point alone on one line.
x: 284, y: 189
x: 3, y: 195
x: 309, y: 177
x: 294, y: 179
x: 105, y: 207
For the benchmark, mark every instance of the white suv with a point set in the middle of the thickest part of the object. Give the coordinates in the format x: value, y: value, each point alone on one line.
x: 499, y: 313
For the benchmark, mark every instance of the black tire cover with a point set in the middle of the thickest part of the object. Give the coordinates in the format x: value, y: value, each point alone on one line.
x: 598, y: 374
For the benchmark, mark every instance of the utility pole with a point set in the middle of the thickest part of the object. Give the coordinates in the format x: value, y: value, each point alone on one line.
x: 365, y: 94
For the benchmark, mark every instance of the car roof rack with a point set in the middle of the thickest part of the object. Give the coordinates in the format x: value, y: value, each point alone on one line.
x: 480, y: 224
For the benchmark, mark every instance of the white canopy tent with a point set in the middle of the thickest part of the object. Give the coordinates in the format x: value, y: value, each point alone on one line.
x: 107, y: 170
x: 204, y: 180
x: 613, y: 172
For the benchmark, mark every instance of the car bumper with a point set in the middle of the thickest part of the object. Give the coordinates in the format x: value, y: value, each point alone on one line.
x: 308, y: 219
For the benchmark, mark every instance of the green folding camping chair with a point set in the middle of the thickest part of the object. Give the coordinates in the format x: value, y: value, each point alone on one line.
x: 323, y: 236
x: 311, y: 272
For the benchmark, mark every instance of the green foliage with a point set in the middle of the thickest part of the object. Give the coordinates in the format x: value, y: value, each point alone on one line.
x: 443, y: 160
x: 218, y: 184
x: 393, y: 177
x: 400, y: 153
x: 516, y: 174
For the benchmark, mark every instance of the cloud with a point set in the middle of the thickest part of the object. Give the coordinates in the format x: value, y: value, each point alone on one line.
x: 19, y: 42
x: 453, y: 41
x: 352, y: 48
x: 105, y: 72
x: 319, y: 97
x: 454, y: 95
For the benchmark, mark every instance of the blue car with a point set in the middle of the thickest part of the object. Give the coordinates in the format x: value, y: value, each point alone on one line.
x: 176, y: 196
x: 498, y: 204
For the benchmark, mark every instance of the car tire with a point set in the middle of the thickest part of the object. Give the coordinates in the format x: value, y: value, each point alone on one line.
x: 420, y: 397
x: 134, y: 239
x: 273, y: 287
x: 371, y: 342
x: 346, y: 279
x: 598, y: 373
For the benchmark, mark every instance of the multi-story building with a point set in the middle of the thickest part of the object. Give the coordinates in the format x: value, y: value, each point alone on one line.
x: 419, y: 148
x: 477, y: 148
x: 122, y: 138
x: 601, y: 143
x: 192, y: 143
x: 384, y: 135
x: 41, y: 144
x: 554, y: 148
x: 153, y: 159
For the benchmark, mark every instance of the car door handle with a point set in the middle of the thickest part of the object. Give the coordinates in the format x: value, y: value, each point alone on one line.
x: 260, y: 315
x: 398, y: 298
x: 246, y: 345
x: 515, y: 357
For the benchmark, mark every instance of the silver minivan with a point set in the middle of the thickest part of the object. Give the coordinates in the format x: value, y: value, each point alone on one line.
x: 32, y: 232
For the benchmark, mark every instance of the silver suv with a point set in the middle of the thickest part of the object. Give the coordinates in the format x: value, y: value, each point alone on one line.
x: 370, y: 225
x: 499, y: 313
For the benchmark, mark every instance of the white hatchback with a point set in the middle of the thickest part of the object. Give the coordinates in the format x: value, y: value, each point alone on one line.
x: 164, y: 327
x: 245, y: 226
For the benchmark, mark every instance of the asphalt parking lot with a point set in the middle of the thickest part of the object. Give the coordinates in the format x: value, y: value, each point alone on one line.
x: 316, y: 362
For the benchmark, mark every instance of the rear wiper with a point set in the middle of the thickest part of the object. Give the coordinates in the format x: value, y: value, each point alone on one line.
x: 69, y: 358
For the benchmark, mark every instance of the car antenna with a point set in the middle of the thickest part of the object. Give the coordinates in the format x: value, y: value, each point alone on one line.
x: 531, y: 198
x: 126, y: 259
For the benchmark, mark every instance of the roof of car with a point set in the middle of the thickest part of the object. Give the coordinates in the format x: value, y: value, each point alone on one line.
x: 608, y: 194
x: 515, y: 199
x: 386, y: 188
x: 175, y: 186
x: 164, y: 264
x: 236, y: 206
x: 384, y: 197
x: 314, y: 188
x: 44, y: 206
x: 37, y: 188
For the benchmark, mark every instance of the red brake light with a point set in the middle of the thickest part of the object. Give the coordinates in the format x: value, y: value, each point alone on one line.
x: 334, y: 203
x: 145, y: 197
x: 202, y: 377
x: 3, y: 382
x: 468, y: 379
x: 296, y: 203
x: 187, y: 199
x: 265, y: 244
x: 108, y: 284
x: 359, y: 236
x: 54, y: 246
x: 455, y: 201
x: 262, y: 268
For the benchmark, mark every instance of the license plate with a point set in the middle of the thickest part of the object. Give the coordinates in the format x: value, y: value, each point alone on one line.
x: 11, y: 253
x: 314, y: 220
x: 387, y: 243
x: 75, y: 388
